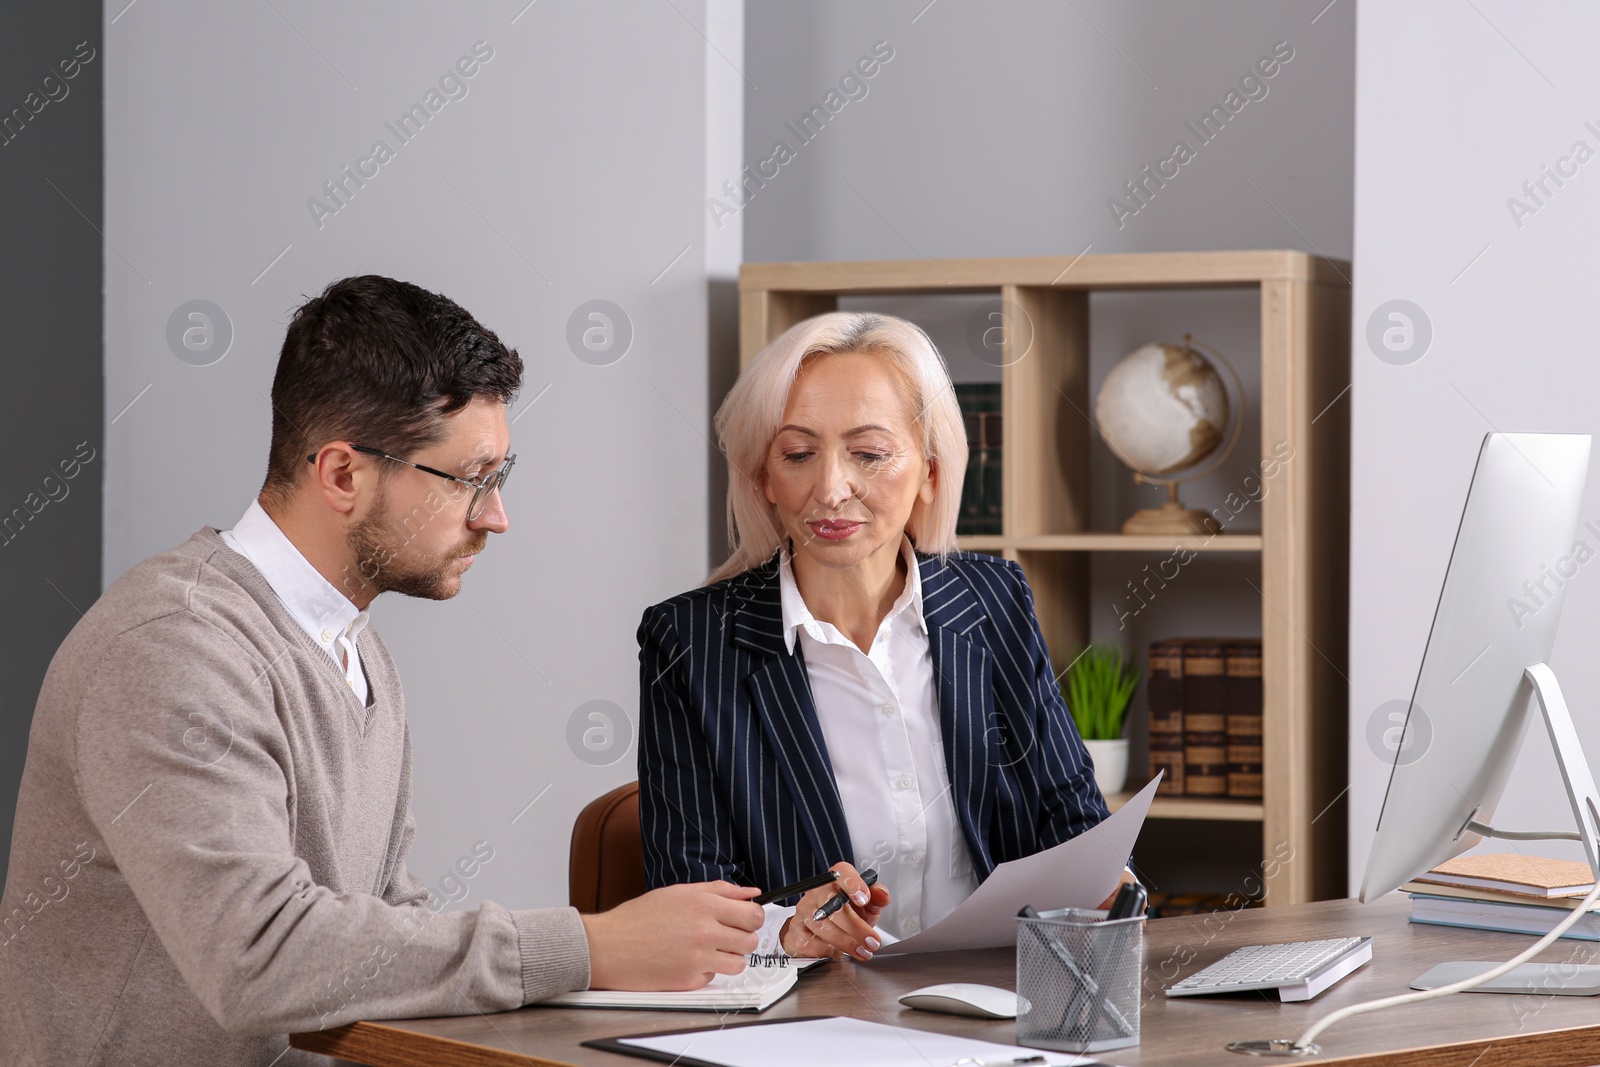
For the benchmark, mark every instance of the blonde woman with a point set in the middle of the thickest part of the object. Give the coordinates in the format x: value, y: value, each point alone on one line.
x: 848, y: 691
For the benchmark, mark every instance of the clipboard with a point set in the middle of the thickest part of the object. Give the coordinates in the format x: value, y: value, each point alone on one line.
x: 830, y: 1039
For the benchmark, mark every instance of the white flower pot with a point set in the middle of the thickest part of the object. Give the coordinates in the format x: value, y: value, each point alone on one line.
x: 1110, y: 764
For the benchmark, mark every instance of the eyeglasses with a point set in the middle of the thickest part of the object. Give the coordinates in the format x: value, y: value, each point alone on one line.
x: 495, y: 479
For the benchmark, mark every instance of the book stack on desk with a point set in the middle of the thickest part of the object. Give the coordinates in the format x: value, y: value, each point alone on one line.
x: 1507, y: 892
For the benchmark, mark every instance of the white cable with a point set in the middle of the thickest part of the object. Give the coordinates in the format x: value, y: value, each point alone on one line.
x: 1524, y: 835
x: 1454, y: 987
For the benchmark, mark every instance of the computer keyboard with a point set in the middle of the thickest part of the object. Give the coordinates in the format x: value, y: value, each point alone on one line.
x: 1298, y: 970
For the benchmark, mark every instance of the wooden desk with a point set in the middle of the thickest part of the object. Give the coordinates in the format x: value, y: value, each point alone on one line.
x: 1466, y: 1030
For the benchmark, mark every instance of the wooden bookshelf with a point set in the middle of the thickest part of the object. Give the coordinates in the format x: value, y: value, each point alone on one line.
x: 1301, y: 549
x: 1210, y: 808
x: 1112, y: 542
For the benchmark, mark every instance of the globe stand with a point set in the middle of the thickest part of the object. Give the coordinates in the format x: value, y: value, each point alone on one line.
x: 1171, y: 519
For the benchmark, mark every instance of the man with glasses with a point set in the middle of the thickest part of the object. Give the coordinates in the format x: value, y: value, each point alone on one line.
x: 211, y: 834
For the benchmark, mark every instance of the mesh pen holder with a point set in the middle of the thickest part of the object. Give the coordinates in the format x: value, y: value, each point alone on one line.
x: 1078, y: 980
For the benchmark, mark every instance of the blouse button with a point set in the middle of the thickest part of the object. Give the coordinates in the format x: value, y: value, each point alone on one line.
x: 888, y: 709
x: 905, y: 782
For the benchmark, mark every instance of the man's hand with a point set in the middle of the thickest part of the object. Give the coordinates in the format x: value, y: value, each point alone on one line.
x: 678, y: 937
x: 848, y: 933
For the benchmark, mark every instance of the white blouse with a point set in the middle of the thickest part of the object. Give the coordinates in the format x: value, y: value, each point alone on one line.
x: 879, y: 714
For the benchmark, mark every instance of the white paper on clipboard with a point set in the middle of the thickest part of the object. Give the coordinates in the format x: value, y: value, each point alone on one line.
x: 832, y: 1042
x: 1079, y: 873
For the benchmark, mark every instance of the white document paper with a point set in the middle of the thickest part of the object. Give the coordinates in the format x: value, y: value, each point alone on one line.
x: 1079, y: 873
x: 836, y: 1042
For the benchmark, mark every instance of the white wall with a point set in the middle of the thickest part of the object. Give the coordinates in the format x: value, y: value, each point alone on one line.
x: 574, y: 169
x: 1456, y: 106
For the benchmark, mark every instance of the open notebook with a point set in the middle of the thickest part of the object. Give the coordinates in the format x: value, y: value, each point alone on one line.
x: 755, y: 989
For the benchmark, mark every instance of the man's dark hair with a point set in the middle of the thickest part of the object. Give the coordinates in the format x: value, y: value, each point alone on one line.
x: 379, y: 362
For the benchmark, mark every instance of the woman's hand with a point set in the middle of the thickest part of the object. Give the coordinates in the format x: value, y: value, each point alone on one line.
x: 846, y: 934
x: 1127, y: 879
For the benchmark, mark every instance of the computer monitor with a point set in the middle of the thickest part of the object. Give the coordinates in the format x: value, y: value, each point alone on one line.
x: 1496, y: 618
x: 1485, y: 666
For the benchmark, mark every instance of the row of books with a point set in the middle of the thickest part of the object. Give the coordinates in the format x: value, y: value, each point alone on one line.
x: 1167, y: 905
x: 980, y: 490
x: 1204, y: 696
x: 1506, y: 892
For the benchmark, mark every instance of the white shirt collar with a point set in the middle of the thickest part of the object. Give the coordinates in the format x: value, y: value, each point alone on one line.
x: 796, y: 615
x: 320, y: 609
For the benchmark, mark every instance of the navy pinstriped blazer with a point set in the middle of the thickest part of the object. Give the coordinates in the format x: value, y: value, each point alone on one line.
x: 735, y: 780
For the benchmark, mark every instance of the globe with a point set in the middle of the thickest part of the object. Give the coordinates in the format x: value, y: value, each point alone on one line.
x: 1162, y: 409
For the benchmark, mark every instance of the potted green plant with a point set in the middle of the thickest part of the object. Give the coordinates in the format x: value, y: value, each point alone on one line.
x: 1098, y: 690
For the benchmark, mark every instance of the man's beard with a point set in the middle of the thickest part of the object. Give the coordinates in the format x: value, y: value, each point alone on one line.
x: 378, y: 544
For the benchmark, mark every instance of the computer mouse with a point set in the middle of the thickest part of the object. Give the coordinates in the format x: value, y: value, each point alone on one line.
x: 964, y: 998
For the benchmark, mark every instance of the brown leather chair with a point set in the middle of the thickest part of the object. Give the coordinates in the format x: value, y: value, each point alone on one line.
x: 606, y: 867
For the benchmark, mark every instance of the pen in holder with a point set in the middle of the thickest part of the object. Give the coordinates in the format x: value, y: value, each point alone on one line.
x: 1078, y: 980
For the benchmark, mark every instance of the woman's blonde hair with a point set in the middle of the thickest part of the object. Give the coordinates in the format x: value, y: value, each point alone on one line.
x: 749, y: 419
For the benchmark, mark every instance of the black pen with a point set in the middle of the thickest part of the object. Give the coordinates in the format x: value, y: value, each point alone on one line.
x: 799, y: 887
x: 868, y: 876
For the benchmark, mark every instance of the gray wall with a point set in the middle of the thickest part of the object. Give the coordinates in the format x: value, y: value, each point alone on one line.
x: 1449, y: 131
x: 1004, y: 129
x: 574, y: 169
x: 50, y: 303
